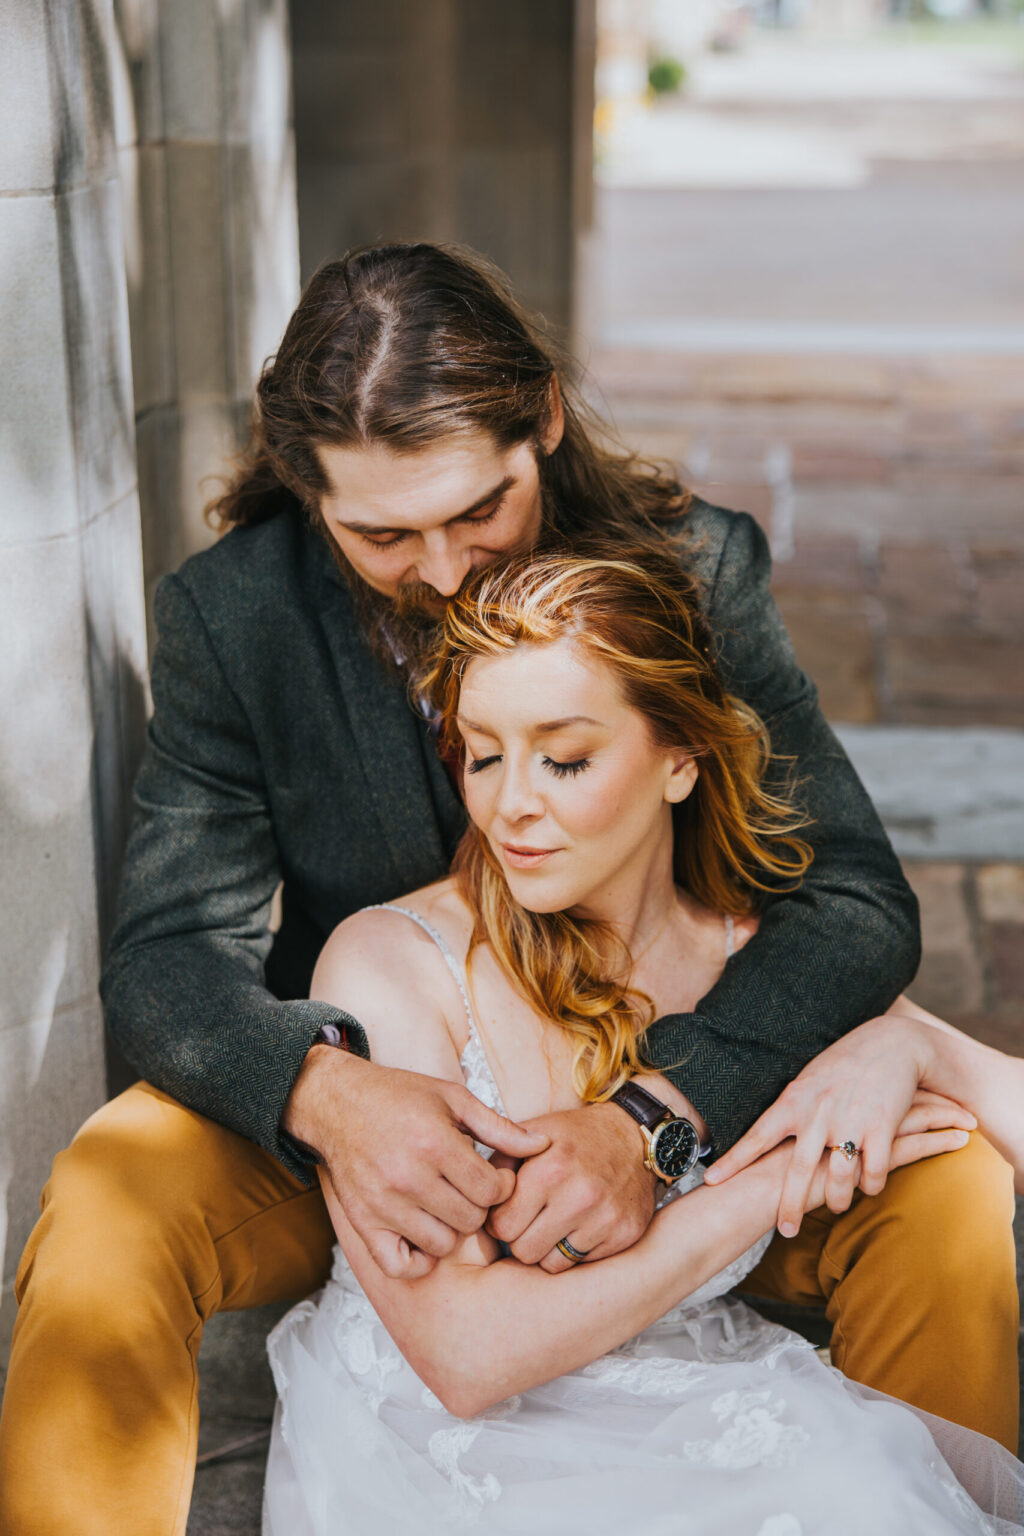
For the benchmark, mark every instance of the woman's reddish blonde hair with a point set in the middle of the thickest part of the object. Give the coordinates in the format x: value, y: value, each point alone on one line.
x: 735, y: 836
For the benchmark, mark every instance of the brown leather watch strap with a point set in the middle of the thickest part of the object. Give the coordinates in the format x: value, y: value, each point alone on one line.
x: 645, y: 1109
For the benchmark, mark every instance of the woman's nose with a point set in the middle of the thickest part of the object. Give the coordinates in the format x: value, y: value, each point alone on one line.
x: 518, y: 799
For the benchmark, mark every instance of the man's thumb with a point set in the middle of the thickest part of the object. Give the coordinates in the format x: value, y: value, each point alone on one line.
x: 487, y: 1126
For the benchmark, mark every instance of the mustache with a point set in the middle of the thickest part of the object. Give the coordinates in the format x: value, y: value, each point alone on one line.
x: 418, y: 599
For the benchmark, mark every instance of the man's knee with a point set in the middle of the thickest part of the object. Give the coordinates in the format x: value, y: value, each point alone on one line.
x: 120, y: 1198
x: 972, y: 1187
x: 949, y: 1217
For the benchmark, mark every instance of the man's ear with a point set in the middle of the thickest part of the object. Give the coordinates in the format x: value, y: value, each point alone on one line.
x: 554, y: 426
x: 684, y: 777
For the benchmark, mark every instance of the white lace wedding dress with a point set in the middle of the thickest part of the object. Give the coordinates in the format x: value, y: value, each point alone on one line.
x: 713, y: 1422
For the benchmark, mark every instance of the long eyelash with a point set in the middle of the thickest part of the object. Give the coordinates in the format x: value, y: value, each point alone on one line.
x: 477, y: 522
x: 567, y: 770
x: 481, y: 762
x: 376, y: 544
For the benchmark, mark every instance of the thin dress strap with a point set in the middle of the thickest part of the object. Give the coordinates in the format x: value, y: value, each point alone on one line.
x: 476, y: 1068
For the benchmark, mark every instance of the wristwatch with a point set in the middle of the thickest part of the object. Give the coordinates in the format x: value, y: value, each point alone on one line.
x: 672, y: 1144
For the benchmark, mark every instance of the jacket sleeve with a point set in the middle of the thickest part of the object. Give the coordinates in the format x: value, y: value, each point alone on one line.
x: 183, y: 986
x: 831, y: 954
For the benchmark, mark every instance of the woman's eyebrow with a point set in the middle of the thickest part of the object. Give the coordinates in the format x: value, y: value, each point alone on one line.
x: 546, y: 729
x: 559, y: 725
x: 482, y: 501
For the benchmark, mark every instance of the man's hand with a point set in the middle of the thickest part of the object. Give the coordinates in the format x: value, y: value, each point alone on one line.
x: 864, y: 1089
x: 397, y: 1152
x: 589, y: 1186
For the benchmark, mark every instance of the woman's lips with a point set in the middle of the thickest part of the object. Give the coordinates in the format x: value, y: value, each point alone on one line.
x: 525, y: 858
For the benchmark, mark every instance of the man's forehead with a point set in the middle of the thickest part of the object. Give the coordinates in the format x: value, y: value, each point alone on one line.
x: 378, y: 486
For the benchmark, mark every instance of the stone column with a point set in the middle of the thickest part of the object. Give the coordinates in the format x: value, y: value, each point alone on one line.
x: 73, y: 656
x: 208, y: 178
x: 439, y: 120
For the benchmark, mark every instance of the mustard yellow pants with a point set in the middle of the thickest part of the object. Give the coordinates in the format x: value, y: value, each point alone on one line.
x: 155, y: 1218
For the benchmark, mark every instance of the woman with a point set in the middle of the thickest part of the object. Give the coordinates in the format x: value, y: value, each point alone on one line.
x: 622, y: 831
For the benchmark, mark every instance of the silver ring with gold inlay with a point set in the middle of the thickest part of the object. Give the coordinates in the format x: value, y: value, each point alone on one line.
x: 566, y: 1249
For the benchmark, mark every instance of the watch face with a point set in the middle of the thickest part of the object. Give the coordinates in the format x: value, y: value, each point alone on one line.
x: 674, y: 1148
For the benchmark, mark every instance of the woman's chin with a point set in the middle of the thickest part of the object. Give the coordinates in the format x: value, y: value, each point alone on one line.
x: 538, y: 896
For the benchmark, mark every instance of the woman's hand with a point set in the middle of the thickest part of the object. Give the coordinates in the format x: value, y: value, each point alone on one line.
x: 864, y: 1088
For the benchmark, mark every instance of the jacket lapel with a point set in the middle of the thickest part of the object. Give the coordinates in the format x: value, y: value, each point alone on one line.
x: 400, y: 788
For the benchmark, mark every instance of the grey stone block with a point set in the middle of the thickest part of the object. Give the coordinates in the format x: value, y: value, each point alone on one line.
x: 138, y: 29
x: 97, y: 341
x: 147, y: 265
x: 255, y: 73
x: 942, y: 793
x: 196, y: 220
x: 190, y: 64
x: 156, y: 437
x: 263, y: 255
x: 206, y: 444
x: 54, y: 1077
x: 26, y: 122
x: 84, y: 58
x: 48, y: 940
x: 115, y: 624
x: 228, y: 1495
x: 234, y: 1376
x: 38, y: 492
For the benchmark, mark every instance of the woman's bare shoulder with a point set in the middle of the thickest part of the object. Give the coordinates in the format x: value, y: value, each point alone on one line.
x: 389, y: 974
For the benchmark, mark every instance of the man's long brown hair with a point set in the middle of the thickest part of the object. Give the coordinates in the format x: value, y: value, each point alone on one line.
x: 405, y: 345
x: 636, y: 612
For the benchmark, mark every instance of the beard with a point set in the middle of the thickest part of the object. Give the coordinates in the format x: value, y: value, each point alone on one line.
x: 400, y: 629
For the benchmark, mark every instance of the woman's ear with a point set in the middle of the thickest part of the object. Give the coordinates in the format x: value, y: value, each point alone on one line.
x: 554, y: 426
x: 683, y: 778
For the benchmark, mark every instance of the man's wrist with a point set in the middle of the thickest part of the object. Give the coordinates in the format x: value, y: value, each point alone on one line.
x: 311, y: 1101
x: 675, y: 1100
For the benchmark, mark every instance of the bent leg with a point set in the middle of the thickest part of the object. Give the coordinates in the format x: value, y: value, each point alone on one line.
x: 154, y: 1218
x: 919, y: 1284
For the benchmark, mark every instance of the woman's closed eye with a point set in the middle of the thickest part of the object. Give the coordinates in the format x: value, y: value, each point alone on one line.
x: 567, y: 770
x: 560, y: 770
x: 478, y: 764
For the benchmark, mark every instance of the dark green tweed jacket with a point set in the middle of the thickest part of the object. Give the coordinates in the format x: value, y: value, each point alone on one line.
x: 280, y: 750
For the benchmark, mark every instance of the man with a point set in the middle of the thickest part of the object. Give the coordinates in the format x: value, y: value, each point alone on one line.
x: 413, y: 426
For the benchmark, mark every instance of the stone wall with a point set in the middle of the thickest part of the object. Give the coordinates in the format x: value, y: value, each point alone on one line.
x: 73, y: 656
x: 208, y: 182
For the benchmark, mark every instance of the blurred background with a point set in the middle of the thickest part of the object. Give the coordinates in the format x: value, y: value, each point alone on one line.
x: 785, y: 240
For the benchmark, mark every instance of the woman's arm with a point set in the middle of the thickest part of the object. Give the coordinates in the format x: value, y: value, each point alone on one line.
x: 906, y: 1071
x: 477, y: 1328
x: 987, y: 1082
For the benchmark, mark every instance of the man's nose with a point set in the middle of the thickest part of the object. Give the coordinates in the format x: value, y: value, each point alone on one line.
x: 444, y: 566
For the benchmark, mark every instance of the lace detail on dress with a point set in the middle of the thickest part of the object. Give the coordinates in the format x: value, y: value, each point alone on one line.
x: 755, y: 1436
